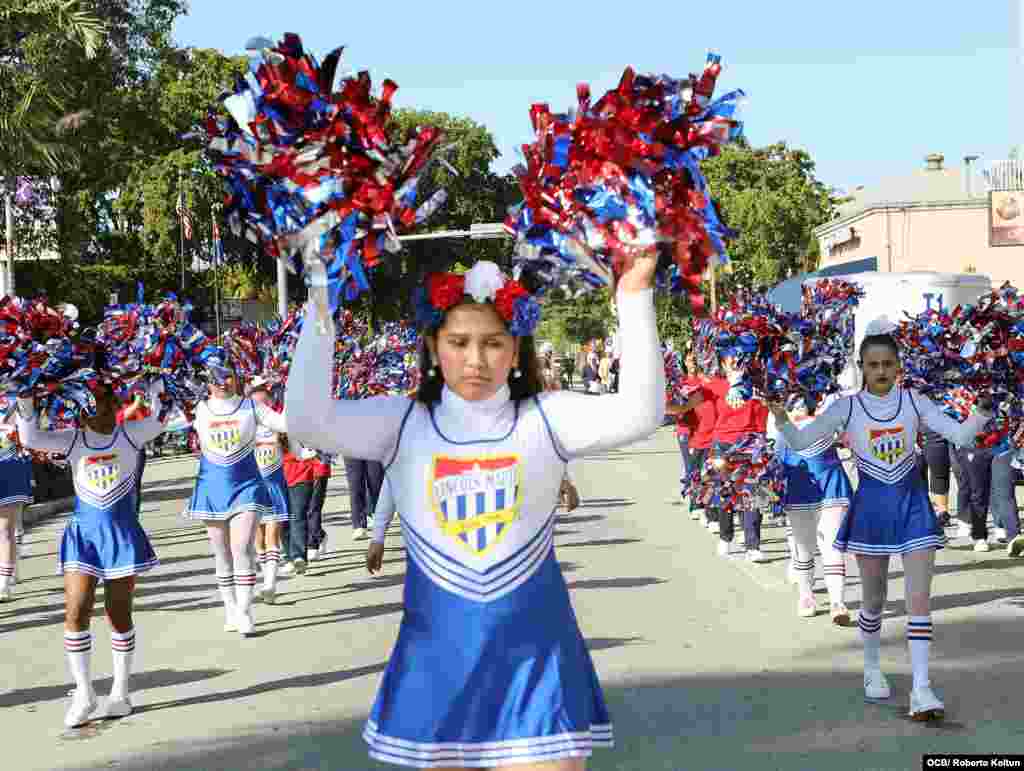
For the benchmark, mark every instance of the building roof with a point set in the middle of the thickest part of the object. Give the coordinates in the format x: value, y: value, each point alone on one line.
x: 919, y: 186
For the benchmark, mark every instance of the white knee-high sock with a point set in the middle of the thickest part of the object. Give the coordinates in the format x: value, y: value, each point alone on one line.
x: 805, y: 576
x: 244, y: 586
x: 6, y: 574
x: 272, y: 558
x: 919, y: 640
x: 835, y: 582
x: 871, y: 635
x: 122, y: 646
x: 78, y: 651
x: 226, y: 585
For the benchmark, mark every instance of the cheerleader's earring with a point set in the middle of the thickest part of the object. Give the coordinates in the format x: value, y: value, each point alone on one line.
x: 432, y: 372
x: 516, y: 374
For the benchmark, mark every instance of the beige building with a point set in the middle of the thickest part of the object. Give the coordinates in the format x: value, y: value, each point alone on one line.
x: 933, y: 219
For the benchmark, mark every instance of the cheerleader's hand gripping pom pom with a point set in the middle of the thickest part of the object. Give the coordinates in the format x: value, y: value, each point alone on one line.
x: 312, y: 171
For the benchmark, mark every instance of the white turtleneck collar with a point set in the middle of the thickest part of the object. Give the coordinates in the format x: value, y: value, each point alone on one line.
x: 463, y: 420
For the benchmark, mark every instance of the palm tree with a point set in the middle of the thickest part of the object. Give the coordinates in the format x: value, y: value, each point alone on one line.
x: 34, y: 112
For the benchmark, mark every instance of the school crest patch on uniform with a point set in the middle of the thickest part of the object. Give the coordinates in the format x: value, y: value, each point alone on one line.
x: 101, y: 473
x: 887, y: 444
x: 476, y: 500
x: 268, y: 455
x: 225, y: 436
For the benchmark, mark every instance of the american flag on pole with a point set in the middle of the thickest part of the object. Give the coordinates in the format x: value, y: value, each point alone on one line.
x: 218, y: 245
x: 184, y: 215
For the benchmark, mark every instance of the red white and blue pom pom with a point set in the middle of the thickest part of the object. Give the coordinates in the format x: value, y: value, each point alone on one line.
x: 622, y: 175
x: 313, y: 172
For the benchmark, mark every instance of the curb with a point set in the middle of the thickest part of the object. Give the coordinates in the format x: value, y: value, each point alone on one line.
x: 37, y: 511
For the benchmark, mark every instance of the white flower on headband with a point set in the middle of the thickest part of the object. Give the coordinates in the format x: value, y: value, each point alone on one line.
x: 483, y: 281
x: 883, y: 325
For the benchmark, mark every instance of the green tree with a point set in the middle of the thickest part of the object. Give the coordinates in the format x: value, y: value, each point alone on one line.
x: 771, y: 195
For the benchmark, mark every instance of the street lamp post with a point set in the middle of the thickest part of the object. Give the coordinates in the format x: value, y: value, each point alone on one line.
x: 8, y: 269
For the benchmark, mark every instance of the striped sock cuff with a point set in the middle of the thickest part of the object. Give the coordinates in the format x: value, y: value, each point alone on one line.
x: 78, y: 642
x: 261, y: 557
x: 835, y: 570
x: 789, y: 531
x: 245, y: 579
x: 123, y: 642
x: 919, y: 628
x: 869, y: 624
x: 805, y: 566
x: 6, y: 570
x: 225, y: 580
x: 272, y: 555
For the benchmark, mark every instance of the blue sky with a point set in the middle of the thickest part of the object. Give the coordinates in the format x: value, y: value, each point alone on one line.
x: 868, y: 89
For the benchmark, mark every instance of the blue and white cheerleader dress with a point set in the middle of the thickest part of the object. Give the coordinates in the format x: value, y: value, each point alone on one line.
x: 15, y: 470
x: 270, y: 459
x: 890, y: 512
x: 490, y: 667
x: 815, y: 477
x: 229, y: 480
x: 103, y: 538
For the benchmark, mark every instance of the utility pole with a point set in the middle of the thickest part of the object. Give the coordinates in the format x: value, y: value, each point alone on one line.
x: 9, y: 220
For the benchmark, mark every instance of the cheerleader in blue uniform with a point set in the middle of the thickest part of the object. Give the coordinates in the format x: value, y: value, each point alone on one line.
x: 270, y: 459
x: 103, y: 539
x: 230, y: 496
x: 891, y: 512
x: 490, y: 668
x: 818, y: 494
x: 15, y: 493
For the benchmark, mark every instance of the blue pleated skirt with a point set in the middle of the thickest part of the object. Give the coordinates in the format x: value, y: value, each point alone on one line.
x: 484, y: 684
x: 814, y: 484
x: 889, y: 518
x: 277, y: 489
x: 221, y: 492
x: 15, y: 481
x: 106, y: 543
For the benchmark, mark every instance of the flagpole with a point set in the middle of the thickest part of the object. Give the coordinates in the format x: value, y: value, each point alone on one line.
x: 181, y: 230
x: 217, y: 249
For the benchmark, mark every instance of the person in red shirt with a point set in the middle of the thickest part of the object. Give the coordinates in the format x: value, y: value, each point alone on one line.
x: 300, y: 470
x: 695, y: 422
x: 734, y: 421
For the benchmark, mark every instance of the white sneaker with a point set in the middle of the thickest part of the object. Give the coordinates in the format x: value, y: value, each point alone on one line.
x: 791, y: 576
x: 715, y: 528
x: 359, y: 534
x: 981, y: 545
x: 756, y: 555
x: 5, y: 593
x: 298, y: 566
x: 724, y: 548
x: 231, y: 620
x: 963, y: 530
x: 1015, y: 548
x: 286, y: 570
x: 118, y: 708
x: 245, y: 624
x: 1000, y: 534
x: 312, y: 555
x: 83, y: 704
x: 807, y: 607
x: 876, y: 687
x: 322, y: 551
x: 268, y: 595
x: 925, y: 705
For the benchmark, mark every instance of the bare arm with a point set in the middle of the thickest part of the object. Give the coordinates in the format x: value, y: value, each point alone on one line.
x: 586, y: 424
x: 35, y: 439
x: 275, y: 421
x: 363, y: 428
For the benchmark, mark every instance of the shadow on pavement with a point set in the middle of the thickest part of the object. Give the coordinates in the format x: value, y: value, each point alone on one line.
x: 141, y: 681
x: 793, y: 720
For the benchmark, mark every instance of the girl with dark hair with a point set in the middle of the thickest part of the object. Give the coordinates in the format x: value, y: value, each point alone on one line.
x: 890, y: 512
x: 103, y: 540
x: 230, y: 496
x: 15, y: 493
x: 270, y: 459
x: 474, y: 465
